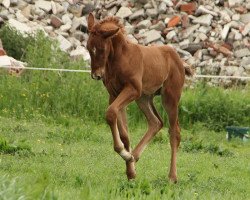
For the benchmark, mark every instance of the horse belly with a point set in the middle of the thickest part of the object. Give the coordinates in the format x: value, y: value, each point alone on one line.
x: 153, y: 79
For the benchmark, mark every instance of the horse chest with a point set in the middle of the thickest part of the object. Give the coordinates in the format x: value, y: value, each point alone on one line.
x: 114, y: 86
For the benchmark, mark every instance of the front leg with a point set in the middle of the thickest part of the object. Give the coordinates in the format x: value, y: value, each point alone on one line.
x: 123, y: 130
x: 127, y: 95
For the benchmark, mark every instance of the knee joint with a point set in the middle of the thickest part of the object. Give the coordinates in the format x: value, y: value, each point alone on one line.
x: 111, y: 115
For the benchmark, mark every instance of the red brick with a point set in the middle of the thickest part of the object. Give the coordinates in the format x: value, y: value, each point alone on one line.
x: 56, y: 22
x: 225, y: 51
x: 174, y: 21
x: 185, y: 21
x: 189, y: 7
x: 2, y: 52
x: 228, y: 46
x: 241, y: 9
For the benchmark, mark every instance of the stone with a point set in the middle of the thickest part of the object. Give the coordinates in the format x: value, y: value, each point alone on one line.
x: 21, y: 27
x: 80, y: 52
x: 66, y: 19
x: 174, y: 21
x: 55, y: 21
x: 162, y: 7
x: 184, y: 44
x: 171, y: 35
x: 12, y: 64
x: 248, y: 5
x: 246, y: 29
x: 65, y: 45
x: 89, y: 7
x: 188, y: 7
x: 245, y: 18
x: 79, y: 35
x: 204, y: 20
x: 202, y: 10
x: 79, y: 23
x: 225, y: 16
x: 54, y: 7
x: 225, y: 31
x: 160, y: 26
x: 148, y: 5
x: 205, y: 29
x: 237, y: 35
x: 168, y: 3
x: 132, y: 39
x: 144, y: 24
x: 20, y: 17
x: 242, y: 52
x: 151, y: 36
x: 129, y: 29
x: 21, y: 4
x: 65, y: 27
x: 236, y: 17
x: 193, y: 47
x: 137, y: 14
x: 202, y: 36
x: 233, y: 3
x: 124, y: 12
x: 186, y: 33
x: 6, y: 3
x: 151, y: 12
x: 245, y: 61
x: 76, y: 9
x: 44, y: 5
x: 26, y: 11
x: 110, y: 4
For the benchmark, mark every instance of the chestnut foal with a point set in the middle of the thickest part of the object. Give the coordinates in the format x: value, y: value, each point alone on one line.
x: 132, y: 72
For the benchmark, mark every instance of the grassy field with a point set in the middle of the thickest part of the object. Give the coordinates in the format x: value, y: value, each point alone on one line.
x: 54, y: 142
x: 51, y: 161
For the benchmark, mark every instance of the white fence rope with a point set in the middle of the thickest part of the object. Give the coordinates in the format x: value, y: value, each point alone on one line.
x: 88, y: 71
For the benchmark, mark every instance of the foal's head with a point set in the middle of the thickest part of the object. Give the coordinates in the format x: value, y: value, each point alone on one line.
x: 99, y: 43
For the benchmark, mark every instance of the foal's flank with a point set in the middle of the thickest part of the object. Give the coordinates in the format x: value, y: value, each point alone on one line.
x: 132, y: 72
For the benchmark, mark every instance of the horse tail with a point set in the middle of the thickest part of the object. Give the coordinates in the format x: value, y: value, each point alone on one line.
x: 187, y: 68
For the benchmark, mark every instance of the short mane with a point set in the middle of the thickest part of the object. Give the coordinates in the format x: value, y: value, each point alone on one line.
x: 113, y: 20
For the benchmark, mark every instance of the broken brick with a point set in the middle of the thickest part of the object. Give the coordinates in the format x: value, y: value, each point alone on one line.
x: 174, y: 21
x: 240, y: 9
x: 189, y: 7
x: 2, y: 52
x: 185, y: 21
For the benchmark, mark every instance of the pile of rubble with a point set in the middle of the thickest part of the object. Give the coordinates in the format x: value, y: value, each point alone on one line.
x: 211, y: 35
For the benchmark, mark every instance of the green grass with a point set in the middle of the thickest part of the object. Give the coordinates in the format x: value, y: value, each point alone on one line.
x: 77, y: 160
x: 54, y: 142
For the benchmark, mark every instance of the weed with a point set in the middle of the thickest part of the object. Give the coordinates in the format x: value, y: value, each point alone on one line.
x: 19, y: 149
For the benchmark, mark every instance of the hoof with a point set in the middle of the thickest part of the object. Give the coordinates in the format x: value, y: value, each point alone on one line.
x: 131, y: 175
x: 130, y: 170
x: 172, y: 179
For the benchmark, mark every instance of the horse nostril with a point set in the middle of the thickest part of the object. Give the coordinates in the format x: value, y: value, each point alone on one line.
x: 96, y: 77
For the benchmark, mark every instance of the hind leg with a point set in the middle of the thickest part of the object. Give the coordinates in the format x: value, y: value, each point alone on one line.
x: 170, y: 100
x: 154, y: 121
x: 123, y: 131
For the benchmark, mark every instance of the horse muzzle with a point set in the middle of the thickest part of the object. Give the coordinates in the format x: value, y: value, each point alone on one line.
x: 96, y: 76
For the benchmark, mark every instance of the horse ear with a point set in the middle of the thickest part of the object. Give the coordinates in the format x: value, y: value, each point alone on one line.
x: 91, y: 21
x: 109, y: 33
